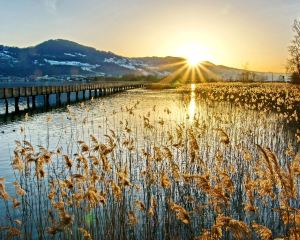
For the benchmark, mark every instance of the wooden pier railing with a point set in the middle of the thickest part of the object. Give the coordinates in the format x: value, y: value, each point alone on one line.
x: 30, y: 92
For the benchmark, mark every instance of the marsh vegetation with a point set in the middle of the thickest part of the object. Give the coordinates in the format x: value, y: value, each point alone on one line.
x: 211, y: 161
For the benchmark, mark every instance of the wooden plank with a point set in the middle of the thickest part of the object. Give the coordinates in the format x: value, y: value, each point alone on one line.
x: 8, y: 92
x: 28, y: 91
x: 22, y: 92
x: 44, y: 90
x: 49, y: 90
x: 39, y: 90
x: 16, y: 92
x: 34, y: 91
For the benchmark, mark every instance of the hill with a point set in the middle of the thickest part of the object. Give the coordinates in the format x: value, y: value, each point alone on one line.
x: 65, y: 58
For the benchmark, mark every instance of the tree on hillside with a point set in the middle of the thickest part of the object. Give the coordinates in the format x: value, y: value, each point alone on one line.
x: 294, y: 52
x: 245, y: 73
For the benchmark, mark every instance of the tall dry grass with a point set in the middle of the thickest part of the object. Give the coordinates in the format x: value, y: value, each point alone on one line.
x: 154, y: 176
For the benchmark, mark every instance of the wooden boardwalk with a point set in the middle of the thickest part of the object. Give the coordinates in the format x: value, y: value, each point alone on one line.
x: 30, y: 92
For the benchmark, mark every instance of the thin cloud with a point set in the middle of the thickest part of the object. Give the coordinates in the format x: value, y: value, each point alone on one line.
x: 51, y: 4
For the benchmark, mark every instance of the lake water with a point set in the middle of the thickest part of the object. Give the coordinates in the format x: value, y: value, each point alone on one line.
x: 61, y: 128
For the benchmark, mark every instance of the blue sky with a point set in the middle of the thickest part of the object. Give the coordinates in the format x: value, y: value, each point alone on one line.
x: 229, y: 32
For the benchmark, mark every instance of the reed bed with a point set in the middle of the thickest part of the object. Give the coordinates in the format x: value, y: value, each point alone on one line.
x: 205, y: 169
x: 283, y: 98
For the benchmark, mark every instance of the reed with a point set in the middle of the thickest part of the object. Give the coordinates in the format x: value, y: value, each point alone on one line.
x: 162, y: 174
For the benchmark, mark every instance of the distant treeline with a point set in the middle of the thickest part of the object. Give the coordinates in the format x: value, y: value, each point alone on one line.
x: 175, y: 80
x: 128, y: 78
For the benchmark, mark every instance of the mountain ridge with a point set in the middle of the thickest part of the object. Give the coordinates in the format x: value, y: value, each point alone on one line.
x: 60, y: 57
x: 57, y: 57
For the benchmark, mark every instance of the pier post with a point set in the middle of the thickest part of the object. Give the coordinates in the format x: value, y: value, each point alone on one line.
x: 68, y: 97
x: 33, y: 102
x: 46, y: 100
x: 6, y: 106
x: 17, y: 104
x: 90, y: 94
x: 28, y: 102
x: 57, y: 101
x: 77, y: 97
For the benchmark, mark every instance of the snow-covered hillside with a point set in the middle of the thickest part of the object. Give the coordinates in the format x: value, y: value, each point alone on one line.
x: 62, y: 57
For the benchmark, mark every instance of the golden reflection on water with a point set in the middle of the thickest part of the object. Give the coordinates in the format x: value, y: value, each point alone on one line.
x: 192, y: 106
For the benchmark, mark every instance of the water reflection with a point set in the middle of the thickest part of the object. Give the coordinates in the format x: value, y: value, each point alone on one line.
x: 192, y: 106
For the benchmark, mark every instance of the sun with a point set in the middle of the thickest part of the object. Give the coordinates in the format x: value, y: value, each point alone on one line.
x: 193, y: 60
x: 194, y: 53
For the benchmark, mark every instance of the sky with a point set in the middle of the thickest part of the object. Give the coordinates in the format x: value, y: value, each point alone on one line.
x: 237, y: 33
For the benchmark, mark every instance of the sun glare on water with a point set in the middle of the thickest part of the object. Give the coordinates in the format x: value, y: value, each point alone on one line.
x: 193, y: 87
x: 192, y: 105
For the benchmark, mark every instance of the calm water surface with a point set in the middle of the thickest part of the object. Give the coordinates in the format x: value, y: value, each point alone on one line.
x: 56, y: 129
x: 63, y: 127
